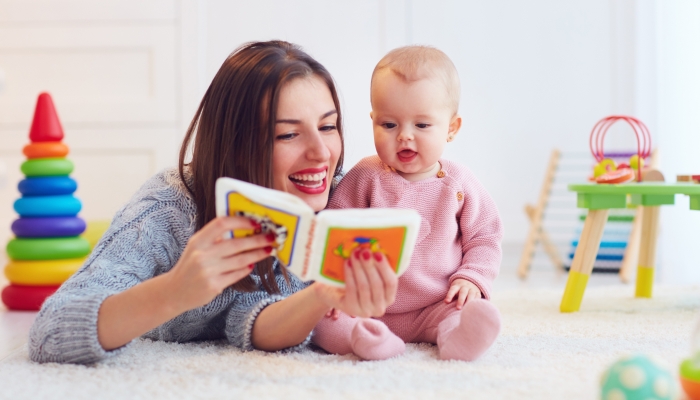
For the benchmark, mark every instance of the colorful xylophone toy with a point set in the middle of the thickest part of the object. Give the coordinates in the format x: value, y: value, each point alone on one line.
x: 47, y: 249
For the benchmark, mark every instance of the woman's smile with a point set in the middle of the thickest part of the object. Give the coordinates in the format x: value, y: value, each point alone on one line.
x: 310, y: 180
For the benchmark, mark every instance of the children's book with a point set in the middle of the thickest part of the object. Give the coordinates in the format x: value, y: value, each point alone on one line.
x: 315, y: 246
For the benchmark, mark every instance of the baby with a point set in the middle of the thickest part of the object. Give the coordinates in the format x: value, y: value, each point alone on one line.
x: 443, y: 296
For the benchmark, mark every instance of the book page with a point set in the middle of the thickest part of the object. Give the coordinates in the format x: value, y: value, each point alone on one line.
x: 283, y: 214
x: 338, y: 233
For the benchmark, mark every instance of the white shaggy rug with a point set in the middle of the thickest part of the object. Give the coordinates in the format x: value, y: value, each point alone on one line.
x: 541, y: 354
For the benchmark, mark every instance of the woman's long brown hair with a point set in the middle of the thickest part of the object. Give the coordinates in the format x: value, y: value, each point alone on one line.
x: 233, y: 129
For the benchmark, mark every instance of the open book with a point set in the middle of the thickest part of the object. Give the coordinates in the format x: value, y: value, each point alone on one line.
x: 315, y: 246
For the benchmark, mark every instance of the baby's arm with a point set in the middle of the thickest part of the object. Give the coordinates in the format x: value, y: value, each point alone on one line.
x: 482, y: 232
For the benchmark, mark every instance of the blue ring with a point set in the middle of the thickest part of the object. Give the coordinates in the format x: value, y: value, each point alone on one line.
x: 48, y: 227
x: 47, y: 186
x: 48, y: 206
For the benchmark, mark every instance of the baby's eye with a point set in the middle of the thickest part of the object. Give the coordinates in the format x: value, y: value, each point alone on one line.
x: 287, y: 136
x: 389, y: 125
x: 422, y: 126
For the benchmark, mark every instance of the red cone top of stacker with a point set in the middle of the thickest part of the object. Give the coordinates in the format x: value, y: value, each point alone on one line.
x: 45, y: 127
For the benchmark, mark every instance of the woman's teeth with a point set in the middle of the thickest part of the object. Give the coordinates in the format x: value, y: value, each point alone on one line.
x: 313, y: 185
x: 309, y: 177
x: 309, y: 180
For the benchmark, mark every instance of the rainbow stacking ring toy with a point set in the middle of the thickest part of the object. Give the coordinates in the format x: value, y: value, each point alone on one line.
x: 48, y: 227
x: 45, y: 150
x: 47, y: 167
x: 47, y: 206
x: 42, y: 273
x: 47, y: 186
x: 47, y: 248
x: 26, y: 298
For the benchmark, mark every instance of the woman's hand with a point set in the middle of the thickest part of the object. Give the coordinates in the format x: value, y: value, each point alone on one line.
x: 209, y: 264
x: 370, y: 286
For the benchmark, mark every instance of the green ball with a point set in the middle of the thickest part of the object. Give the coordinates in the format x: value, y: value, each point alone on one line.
x: 637, y: 378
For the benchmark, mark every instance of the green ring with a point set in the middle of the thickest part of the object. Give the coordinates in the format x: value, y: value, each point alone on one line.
x: 48, y: 248
x: 47, y: 167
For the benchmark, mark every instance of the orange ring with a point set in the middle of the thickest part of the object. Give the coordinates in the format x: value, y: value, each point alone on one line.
x: 45, y: 150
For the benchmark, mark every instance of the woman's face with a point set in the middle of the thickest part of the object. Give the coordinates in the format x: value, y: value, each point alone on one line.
x: 307, y: 142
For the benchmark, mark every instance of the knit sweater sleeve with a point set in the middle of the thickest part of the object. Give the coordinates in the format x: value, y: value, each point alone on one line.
x: 247, y: 306
x: 355, y: 189
x: 481, y: 234
x: 144, y: 239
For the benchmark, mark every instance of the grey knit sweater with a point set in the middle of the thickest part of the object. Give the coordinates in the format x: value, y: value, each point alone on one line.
x: 146, y: 238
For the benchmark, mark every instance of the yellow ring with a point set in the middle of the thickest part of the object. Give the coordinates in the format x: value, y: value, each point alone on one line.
x: 42, y: 273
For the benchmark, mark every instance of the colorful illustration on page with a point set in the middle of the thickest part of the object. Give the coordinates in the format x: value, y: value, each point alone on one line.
x: 282, y: 223
x: 341, y: 242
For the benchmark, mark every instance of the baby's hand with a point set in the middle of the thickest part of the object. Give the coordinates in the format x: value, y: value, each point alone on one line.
x: 465, y: 290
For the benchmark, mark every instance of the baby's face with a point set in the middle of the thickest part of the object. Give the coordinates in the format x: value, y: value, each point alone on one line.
x: 412, y: 123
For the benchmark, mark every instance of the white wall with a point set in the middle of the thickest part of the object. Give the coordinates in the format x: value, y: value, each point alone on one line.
x: 677, y: 25
x: 127, y: 76
x: 535, y: 75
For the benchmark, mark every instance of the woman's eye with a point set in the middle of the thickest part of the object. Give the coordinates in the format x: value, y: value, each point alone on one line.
x: 389, y: 125
x: 287, y: 136
x: 422, y: 126
x: 328, y: 128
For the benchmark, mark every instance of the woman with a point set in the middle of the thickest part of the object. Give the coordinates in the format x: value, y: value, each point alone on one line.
x: 271, y: 116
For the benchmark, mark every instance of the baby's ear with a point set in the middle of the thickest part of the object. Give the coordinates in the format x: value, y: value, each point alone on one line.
x: 455, y: 124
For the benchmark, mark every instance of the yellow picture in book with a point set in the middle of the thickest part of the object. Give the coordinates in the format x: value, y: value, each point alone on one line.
x: 282, y: 223
x: 341, y: 242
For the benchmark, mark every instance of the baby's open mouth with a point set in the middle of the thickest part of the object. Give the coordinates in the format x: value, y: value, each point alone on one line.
x: 406, y: 155
x: 308, y: 180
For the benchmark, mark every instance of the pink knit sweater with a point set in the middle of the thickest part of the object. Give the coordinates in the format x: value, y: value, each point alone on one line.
x: 460, y: 233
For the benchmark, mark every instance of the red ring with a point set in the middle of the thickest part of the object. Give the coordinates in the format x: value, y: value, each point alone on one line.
x: 26, y: 298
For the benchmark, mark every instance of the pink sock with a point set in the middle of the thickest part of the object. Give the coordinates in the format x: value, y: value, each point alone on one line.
x: 467, y: 335
x: 372, y: 340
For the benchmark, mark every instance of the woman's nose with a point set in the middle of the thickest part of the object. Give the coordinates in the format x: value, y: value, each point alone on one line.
x: 317, y: 149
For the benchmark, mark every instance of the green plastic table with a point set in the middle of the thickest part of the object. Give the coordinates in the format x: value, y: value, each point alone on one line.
x: 599, y: 199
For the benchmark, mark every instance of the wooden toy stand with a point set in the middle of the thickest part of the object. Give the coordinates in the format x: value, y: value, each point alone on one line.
x: 599, y: 199
x: 535, y: 214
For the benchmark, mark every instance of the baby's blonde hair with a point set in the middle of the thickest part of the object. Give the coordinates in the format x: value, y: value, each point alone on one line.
x: 412, y: 63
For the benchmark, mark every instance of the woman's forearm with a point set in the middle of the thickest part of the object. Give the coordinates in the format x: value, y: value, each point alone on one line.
x: 288, y: 322
x: 134, y: 312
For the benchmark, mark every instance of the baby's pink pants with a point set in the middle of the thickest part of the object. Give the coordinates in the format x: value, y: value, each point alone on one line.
x: 460, y: 334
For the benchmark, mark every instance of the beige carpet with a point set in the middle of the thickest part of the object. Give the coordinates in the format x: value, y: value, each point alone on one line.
x: 541, y: 354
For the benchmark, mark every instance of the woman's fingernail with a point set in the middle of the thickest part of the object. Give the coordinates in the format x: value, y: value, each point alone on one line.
x: 268, y: 249
x: 357, y: 255
x: 365, y: 255
x: 255, y: 224
x: 378, y: 256
x: 251, y: 266
x: 270, y: 237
